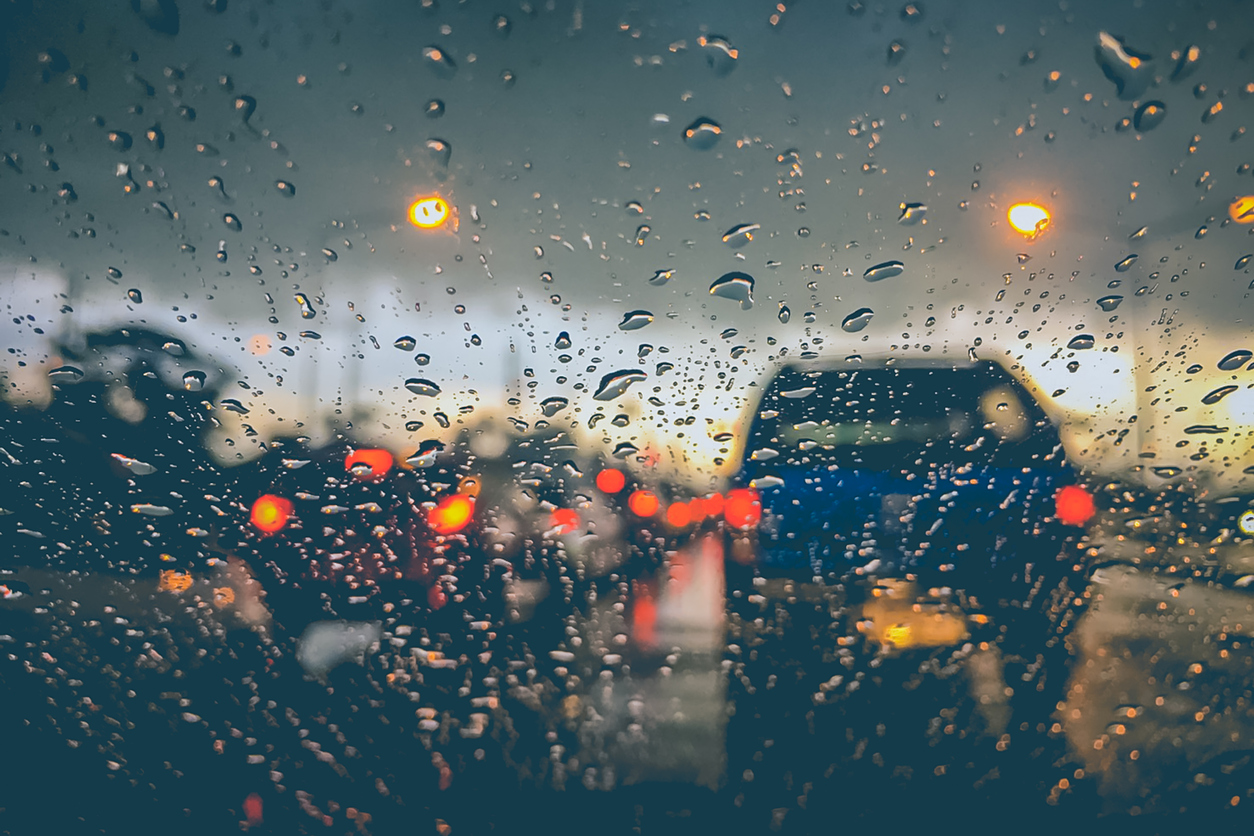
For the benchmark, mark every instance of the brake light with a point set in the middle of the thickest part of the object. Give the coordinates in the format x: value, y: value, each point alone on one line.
x: 1073, y: 505
x: 368, y: 463
x: 452, y: 514
x: 643, y: 503
x: 679, y: 514
x: 611, y: 481
x: 270, y: 513
x: 743, y: 508
x: 564, y: 520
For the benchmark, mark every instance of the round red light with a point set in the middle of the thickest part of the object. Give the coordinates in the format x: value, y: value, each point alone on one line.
x: 611, y: 481
x: 743, y: 508
x: 270, y: 513
x: 679, y: 514
x: 1073, y: 505
x: 452, y: 514
x: 368, y: 463
x: 643, y: 503
x: 564, y: 520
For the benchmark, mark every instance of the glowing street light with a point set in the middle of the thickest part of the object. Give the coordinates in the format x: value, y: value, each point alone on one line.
x: 428, y: 212
x: 1028, y: 219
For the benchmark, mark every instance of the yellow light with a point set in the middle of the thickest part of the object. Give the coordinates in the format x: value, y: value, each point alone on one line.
x: 1242, y: 210
x: 428, y: 212
x: 1246, y: 523
x: 1028, y: 219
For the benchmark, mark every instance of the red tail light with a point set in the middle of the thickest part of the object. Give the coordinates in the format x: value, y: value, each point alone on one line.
x: 369, y: 463
x: 452, y: 514
x: 643, y: 503
x: 1073, y: 505
x: 611, y: 481
x: 679, y: 514
x: 742, y: 508
x: 270, y: 513
x: 564, y: 520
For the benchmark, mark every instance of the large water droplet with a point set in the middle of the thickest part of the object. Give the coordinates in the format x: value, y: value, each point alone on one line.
x: 734, y: 285
x: 563, y: 341
x: 439, y: 62
x: 135, y: 295
x: 194, y: 381
x: 433, y: 109
x: 285, y: 188
x: 642, y: 233
x: 1149, y: 116
x: 784, y: 313
x: 634, y: 320
x: 661, y: 277
x: 422, y: 386
x: 552, y: 406
x: 306, y: 307
x: 1081, y: 342
x: 1129, y: 69
x: 857, y: 320
x: 702, y: 134
x: 119, y: 140
x: 1216, y: 395
x: 740, y: 234
x: 405, y: 343
x: 887, y: 270
x: 1125, y: 264
x: 439, y: 151
x: 426, y: 453
x: 232, y: 222
x: 422, y: 359
x: 135, y: 466
x: 912, y: 213
x: 65, y: 374
x: 1243, y: 262
x: 1234, y: 360
x: 719, y: 53
x: 1109, y: 303
x: 615, y: 384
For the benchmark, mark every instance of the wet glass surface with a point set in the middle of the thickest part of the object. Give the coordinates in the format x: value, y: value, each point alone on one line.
x: 449, y: 417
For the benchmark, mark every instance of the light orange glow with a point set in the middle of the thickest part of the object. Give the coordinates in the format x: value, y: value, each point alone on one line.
x: 223, y: 595
x: 1242, y: 210
x: 679, y: 514
x: 172, y: 580
x: 428, y: 212
x: 368, y: 463
x: 643, y: 503
x: 1028, y: 219
x: 259, y: 345
x: 611, y: 481
x: 270, y: 513
x: 452, y: 514
x: 743, y: 508
x: 1074, y: 505
x: 564, y: 520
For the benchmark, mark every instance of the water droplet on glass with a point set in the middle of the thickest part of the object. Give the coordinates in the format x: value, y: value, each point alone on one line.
x: 857, y: 320
x: 1234, y: 360
x: 642, y: 232
x: 661, y: 277
x: 734, y: 285
x: 501, y: 26
x: 285, y: 188
x: 433, y: 109
x: 175, y: 348
x: 233, y: 405
x: 740, y: 235
x: 563, y: 341
x: 306, y: 307
x: 135, y: 295
x: 719, y: 53
x: 194, y: 381
x: 422, y: 386
x: 634, y: 320
x: 887, y: 270
x: 1243, y: 262
x: 702, y: 134
x: 1166, y: 472
x: 422, y: 359
x: 508, y: 78
x: 784, y: 313
x: 1129, y: 69
x: 1081, y: 342
x: 552, y: 406
x: 439, y: 62
x: 65, y: 374
x: 405, y: 343
x: 119, y: 140
x: 1109, y: 303
x: 135, y: 466
x: 1125, y: 264
x: 896, y: 52
x: 1186, y: 62
x: 232, y: 222
x: 439, y: 151
x: 1216, y: 395
x: 615, y: 384
x: 330, y: 254
x: 912, y: 213
x: 1149, y: 116
x: 426, y: 453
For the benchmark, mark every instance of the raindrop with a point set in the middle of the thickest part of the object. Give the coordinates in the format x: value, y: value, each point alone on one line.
x: 151, y: 510
x: 1166, y: 472
x: 1140, y: 233
x: 625, y: 449
x: 552, y: 406
x: 330, y: 254
x: 740, y: 235
x: 194, y: 381
x: 896, y: 52
x: 1149, y: 116
x: 232, y: 222
x: 439, y: 151
x: 306, y: 307
x: 1081, y: 342
x: 1126, y: 263
x: 702, y: 134
x: 1187, y: 61
x: 719, y: 53
x: 501, y: 26
x: 433, y: 109
x: 508, y: 78
x: 912, y: 213
x: 426, y: 453
x: 734, y: 285
x: 784, y: 313
x: 1109, y: 303
x: 65, y: 374
x: 135, y: 295
x: 634, y: 320
x: 1243, y: 262
x: 439, y: 62
x: 285, y: 188
x: 661, y: 277
x: 175, y: 348
x: 233, y: 405
x: 422, y: 359
x: 1130, y: 70
x: 405, y: 343
x: 615, y: 384
x: 563, y: 341
x: 421, y: 386
x: 642, y: 232
x: 857, y: 320
x: 1205, y: 429
x: 1234, y: 360
x: 155, y: 137
x: 119, y: 140
x: 887, y: 270
x: 1217, y: 395
x: 134, y: 465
